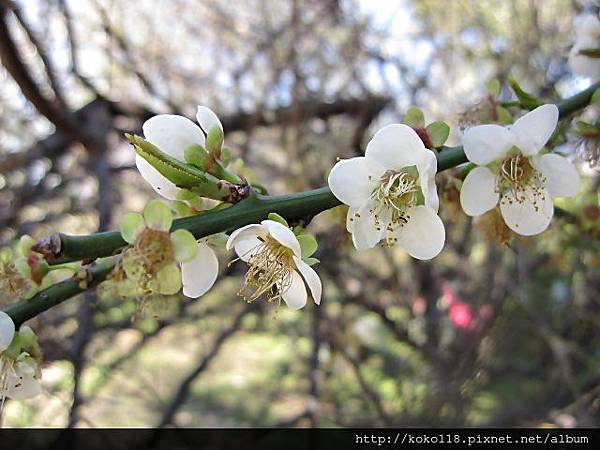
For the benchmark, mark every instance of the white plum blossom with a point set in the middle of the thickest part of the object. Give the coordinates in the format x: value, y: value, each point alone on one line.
x: 156, y: 254
x: 19, y: 377
x: 392, y: 194
x: 587, y: 37
x: 510, y: 171
x: 172, y: 134
x: 275, y: 265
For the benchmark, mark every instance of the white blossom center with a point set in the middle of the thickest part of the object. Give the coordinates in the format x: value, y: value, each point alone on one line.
x: 516, y: 176
x: 270, y: 271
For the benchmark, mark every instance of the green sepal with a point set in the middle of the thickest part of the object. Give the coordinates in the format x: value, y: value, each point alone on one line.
x: 167, y: 280
x: 504, y: 116
x: 308, y: 245
x: 225, y: 156
x: 184, y: 245
x: 595, y: 96
x: 493, y: 87
x: 177, y: 172
x: 277, y: 218
x: 214, y: 141
x: 311, y: 261
x: 196, y: 155
x: 438, y: 133
x: 132, y: 225
x: 414, y: 118
x: 218, y: 240
x: 527, y: 100
x: 158, y: 216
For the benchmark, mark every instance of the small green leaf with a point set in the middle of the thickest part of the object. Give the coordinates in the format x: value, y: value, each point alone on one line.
x: 414, y: 118
x: 158, y: 216
x: 493, y: 87
x: 528, y: 101
x: 277, y: 218
x: 218, y: 240
x: 184, y: 245
x: 438, y: 133
x: 311, y: 261
x: 504, y: 117
x: 132, y: 224
x: 308, y: 244
x: 596, y: 96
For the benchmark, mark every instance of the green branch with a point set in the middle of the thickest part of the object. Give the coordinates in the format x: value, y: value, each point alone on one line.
x: 302, y: 206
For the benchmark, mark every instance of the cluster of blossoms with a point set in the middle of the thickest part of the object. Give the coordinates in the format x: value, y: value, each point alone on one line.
x: 391, y: 194
x: 158, y: 261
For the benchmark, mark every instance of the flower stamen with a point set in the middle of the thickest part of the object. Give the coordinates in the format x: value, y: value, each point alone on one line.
x: 270, y: 271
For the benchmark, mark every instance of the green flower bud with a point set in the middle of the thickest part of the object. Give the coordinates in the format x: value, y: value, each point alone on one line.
x: 277, y: 218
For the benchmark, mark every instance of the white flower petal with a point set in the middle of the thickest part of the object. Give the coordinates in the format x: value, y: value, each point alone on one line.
x: 246, y: 247
x: 160, y: 184
x: 562, y: 178
x: 532, y: 131
x: 312, y: 279
x: 427, y: 169
x: 20, y: 384
x: 245, y: 232
x: 283, y: 235
x: 350, y: 220
x: 395, y: 146
x: 199, y: 274
x: 423, y: 235
x: 486, y: 143
x: 478, y: 192
x: 7, y: 331
x: 351, y: 182
x: 172, y: 134
x: 365, y: 233
x: 523, y: 216
x: 295, y: 295
x: 207, y: 118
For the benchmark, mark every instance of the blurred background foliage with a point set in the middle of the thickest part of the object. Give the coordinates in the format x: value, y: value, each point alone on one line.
x: 485, y: 334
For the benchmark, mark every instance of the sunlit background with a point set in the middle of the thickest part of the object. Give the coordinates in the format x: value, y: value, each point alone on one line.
x: 485, y: 334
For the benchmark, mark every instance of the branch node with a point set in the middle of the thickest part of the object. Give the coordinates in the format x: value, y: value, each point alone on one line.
x: 237, y: 192
x: 49, y: 247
